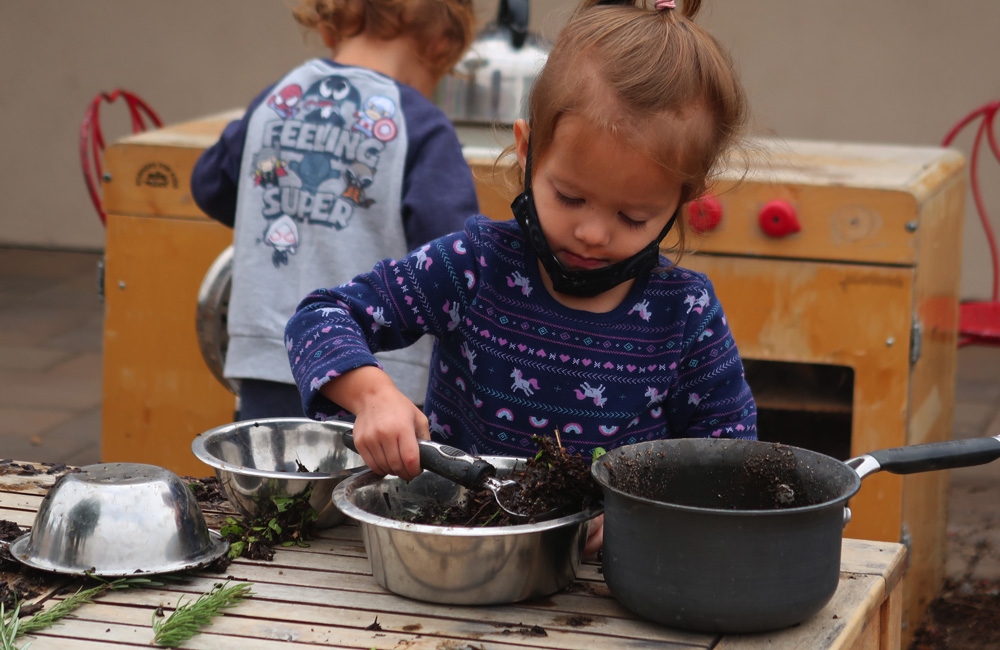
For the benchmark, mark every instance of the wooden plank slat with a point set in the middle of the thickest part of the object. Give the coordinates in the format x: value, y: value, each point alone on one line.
x: 330, y: 605
x: 304, y: 624
x: 838, y: 625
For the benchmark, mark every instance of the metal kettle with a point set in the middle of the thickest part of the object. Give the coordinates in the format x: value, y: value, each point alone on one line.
x: 492, y: 81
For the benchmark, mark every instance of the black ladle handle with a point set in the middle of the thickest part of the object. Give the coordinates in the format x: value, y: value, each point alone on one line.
x: 931, y: 456
x: 445, y: 460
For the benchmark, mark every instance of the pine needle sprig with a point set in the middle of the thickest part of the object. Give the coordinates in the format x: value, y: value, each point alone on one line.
x: 47, y: 617
x: 187, y: 620
x: 11, y: 625
x: 9, y: 628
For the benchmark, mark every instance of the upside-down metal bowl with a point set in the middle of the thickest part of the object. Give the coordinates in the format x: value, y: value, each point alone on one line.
x: 116, y: 520
x: 454, y: 564
x: 257, y: 461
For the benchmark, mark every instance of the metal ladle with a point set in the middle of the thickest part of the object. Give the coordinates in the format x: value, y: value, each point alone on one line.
x: 466, y: 470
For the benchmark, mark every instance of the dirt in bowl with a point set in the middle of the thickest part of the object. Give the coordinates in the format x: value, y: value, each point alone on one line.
x: 552, y: 484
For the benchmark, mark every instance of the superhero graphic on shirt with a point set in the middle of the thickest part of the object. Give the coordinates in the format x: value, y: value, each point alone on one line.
x: 268, y: 167
x: 317, y: 162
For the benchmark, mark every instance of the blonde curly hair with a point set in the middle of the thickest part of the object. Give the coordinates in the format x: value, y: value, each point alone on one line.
x: 443, y: 29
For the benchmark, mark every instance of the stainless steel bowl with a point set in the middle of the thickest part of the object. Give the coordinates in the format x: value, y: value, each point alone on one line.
x: 258, y: 460
x: 119, y: 519
x: 457, y: 565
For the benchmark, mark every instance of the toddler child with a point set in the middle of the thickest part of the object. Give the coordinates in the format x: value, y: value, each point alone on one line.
x: 341, y: 163
x: 566, y: 317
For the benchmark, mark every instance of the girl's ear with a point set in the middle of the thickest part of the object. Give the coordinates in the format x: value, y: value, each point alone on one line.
x: 521, y: 133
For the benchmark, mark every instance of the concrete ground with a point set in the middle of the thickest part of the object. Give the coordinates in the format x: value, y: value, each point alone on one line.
x: 51, y: 318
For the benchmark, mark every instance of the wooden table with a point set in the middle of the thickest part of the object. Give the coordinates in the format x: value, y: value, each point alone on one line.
x: 324, y: 596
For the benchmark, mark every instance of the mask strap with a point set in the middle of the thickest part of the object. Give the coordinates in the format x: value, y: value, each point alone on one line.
x: 527, y: 166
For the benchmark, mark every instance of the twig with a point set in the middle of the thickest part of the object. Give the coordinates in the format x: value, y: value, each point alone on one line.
x: 187, y: 620
x: 558, y: 439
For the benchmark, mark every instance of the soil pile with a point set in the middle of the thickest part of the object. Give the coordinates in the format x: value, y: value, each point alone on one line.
x: 554, y: 482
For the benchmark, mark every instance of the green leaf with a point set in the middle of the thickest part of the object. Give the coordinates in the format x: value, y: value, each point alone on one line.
x: 598, y: 452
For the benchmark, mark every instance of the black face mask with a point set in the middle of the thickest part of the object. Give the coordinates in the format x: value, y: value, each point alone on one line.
x: 590, y: 282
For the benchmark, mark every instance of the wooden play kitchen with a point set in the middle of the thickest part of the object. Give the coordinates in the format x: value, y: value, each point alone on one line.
x: 325, y: 596
x: 836, y: 263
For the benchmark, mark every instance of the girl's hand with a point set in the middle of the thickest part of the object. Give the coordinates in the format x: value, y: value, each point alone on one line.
x: 595, y: 537
x: 386, y: 432
x: 387, y: 423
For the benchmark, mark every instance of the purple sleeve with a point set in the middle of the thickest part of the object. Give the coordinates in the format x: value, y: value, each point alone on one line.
x: 438, y: 191
x: 712, y: 397
x: 339, y: 329
x: 215, y: 178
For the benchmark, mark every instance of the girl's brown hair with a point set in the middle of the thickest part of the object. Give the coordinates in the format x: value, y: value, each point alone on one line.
x: 443, y: 29
x: 652, y: 77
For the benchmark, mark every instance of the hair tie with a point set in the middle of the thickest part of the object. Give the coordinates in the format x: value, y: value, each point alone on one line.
x: 662, y: 5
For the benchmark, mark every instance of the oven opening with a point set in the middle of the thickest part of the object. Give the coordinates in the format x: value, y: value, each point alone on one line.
x: 807, y: 405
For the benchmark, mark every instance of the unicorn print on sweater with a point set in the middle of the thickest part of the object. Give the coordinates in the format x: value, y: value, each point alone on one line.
x: 378, y: 316
x: 529, y: 386
x: 697, y: 304
x: 518, y: 280
x: 589, y: 392
x: 643, y: 309
x: 424, y: 262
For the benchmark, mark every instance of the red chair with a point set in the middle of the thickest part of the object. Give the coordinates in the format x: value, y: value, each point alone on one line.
x: 979, y: 321
x: 92, y: 140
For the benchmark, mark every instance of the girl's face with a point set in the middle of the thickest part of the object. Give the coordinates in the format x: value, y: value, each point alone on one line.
x: 598, y: 201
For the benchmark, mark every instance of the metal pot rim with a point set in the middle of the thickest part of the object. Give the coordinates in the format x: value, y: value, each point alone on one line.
x: 19, y: 550
x: 200, y: 450
x: 600, y: 475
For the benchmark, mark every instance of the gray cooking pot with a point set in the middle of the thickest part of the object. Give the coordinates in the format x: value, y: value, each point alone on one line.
x: 491, y: 82
x: 738, y: 536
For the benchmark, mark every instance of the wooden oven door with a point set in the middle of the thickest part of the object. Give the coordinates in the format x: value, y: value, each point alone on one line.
x: 848, y: 315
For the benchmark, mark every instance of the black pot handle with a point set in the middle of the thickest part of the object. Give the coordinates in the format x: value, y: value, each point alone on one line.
x: 445, y: 460
x: 928, y: 457
x: 514, y: 15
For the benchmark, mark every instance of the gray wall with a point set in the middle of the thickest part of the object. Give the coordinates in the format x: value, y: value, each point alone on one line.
x: 881, y: 71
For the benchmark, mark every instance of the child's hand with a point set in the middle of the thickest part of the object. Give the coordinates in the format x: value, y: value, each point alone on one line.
x: 387, y: 423
x: 386, y: 432
x: 595, y: 537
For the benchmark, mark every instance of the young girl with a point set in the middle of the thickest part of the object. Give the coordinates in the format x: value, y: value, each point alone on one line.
x: 343, y: 162
x: 565, y: 318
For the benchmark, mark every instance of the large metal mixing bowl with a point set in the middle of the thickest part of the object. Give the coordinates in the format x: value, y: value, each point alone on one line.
x: 453, y: 564
x: 116, y: 520
x: 259, y: 460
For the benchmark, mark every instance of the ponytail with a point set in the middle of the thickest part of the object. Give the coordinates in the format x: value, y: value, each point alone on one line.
x: 687, y: 8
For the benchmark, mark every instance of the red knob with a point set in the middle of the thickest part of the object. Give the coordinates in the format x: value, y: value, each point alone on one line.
x: 705, y: 214
x: 778, y: 219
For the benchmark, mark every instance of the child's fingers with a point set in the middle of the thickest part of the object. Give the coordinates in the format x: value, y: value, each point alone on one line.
x: 409, y: 457
x: 380, y: 463
x: 595, y: 537
x: 421, y: 425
